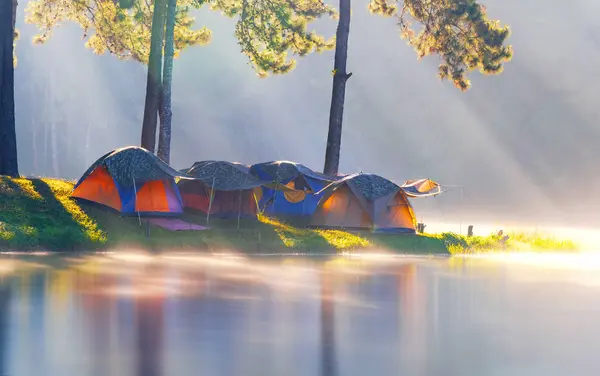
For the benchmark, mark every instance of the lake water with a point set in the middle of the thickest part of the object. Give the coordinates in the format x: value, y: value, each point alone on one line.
x: 178, y: 315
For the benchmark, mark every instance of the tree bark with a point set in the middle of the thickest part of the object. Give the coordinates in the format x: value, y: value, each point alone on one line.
x: 14, y: 14
x: 164, y: 135
x: 153, y: 83
x: 8, y: 137
x: 340, y: 77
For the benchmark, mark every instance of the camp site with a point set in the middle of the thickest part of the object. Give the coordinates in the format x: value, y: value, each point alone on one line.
x: 299, y: 188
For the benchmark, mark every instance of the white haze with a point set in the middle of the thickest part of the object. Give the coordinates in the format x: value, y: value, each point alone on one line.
x: 523, y: 144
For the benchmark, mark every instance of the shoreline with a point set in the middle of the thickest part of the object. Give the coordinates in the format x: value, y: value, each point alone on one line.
x: 38, y: 215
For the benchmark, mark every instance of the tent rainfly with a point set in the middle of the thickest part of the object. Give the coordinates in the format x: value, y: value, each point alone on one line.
x: 132, y: 181
x: 221, y: 189
x: 293, y: 189
x: 365, y: 202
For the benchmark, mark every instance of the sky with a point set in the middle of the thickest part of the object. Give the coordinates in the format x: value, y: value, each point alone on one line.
x: 522, y: 145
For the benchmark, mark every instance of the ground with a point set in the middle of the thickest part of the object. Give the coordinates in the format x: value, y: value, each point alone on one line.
x: 38, y: 214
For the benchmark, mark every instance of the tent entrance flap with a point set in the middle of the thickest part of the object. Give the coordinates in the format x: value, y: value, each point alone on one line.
x: 99, y: 187
x: 156, y: 197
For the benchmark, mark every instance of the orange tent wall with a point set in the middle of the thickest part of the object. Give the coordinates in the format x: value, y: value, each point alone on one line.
x: 152, y: 197
x: 196, y: 196
x: 228, y: 202
x: 195, y: 201
x: 341, y: 209
x: 397, y: 214
x: 99, y: 187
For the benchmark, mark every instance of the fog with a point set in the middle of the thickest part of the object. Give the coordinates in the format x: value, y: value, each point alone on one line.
x: 523, y: 145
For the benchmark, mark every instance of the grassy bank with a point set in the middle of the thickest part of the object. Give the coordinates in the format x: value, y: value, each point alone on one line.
x: 38, y: 214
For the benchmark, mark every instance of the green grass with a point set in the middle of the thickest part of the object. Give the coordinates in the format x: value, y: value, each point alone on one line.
x: 38, y: 214
x: 517, y: 241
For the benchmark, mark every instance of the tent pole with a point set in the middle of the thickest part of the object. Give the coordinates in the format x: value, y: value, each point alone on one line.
x: 276, y: 187
x: 239, y: 210
x: 304, y: 202
x: 135, y: 202
x: 212, y: 190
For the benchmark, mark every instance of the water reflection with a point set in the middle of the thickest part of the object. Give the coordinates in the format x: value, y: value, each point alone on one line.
x: 149, y: 315
x: 5, y: 294
x: 328, y: 359
x: 159, y: 315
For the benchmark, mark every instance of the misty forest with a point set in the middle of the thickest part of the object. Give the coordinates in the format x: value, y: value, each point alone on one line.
x: 276, y: 80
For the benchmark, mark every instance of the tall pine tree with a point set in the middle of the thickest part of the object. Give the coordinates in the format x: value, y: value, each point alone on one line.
x: 8, y: 138
x: 267, y: 31
x: 154, y: 79
x: 132, y: 30
x: 164, y: 134
x: 458, y: 31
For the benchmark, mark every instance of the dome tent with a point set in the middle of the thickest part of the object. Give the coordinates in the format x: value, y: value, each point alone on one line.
x: 132, y: 181
x: 293, y: 189
x: 366, y: 202
x: 225, y: 189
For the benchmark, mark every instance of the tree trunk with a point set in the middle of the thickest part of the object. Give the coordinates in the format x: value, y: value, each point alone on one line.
x: 14, y: 14
x: 334, y: 137
x: 8, y: 137
x: 153, y: 84
x: 164, y: 135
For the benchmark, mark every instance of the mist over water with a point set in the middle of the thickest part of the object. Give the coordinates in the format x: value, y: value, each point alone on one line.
x: 523, y: 144
x: 130, y: 314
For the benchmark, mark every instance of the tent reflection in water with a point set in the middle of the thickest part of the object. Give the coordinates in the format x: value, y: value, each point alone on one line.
x: 292, y: 192
x: 221, y: 189
x: 132, y: 181
x: 365, y: 202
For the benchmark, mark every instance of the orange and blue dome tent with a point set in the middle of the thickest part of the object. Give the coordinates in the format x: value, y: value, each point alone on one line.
x: 365, y: 202
x: 221, y: 189
x: 292, y: 191
x: 132, y: 181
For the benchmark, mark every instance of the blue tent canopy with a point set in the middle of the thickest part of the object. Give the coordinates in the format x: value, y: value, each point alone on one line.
x: 293, y: 192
